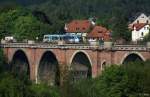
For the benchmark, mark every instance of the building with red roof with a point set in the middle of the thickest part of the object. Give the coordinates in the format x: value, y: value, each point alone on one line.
x: 88, y: 30
x: 141, y: 18
x: 79, y: 27
x: 99, y: 33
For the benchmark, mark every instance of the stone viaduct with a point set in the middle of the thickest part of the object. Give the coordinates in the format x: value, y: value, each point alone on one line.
x: 96, y: 56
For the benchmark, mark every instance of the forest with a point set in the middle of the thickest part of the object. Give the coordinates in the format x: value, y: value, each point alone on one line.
x: 113, y: 14
x: 28, y: 19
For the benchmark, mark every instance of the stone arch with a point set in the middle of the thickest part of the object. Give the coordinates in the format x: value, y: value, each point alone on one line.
x: 48, y: 69
x: 20, y: 64
x: 82, y: 52
x: 134, y: 55
x: 81, y: 65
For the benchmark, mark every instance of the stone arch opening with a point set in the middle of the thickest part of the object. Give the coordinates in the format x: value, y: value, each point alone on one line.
x: 81, y: 66
x: 48, y: 70
x: 20, y: 64
x: 133, y: 57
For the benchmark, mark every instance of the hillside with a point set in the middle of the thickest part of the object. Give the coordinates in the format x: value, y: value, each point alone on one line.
x: 109, y: 13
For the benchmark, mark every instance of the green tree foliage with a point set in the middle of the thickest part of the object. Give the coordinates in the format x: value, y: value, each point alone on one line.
x: 147, y: 38
x: 11, y: 86
x: 21, y: 24
x: 112, y: 83
x: 41, y: 90
x: 129, y: 80
x: 120, y: 30
x: 5, y: 25
x: 114, y: 14
x: 138, y: 78
x: 2, y: 61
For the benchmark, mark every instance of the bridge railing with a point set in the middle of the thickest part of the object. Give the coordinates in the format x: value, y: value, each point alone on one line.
x: 129, y: 47
x: 45, y: 45
x: 76, y: 46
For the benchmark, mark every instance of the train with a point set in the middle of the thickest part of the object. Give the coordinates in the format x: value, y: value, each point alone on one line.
x: 67, y: 38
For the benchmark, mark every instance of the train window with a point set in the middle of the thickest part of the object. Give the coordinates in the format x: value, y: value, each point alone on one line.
x: 67, y: 38
x: 46, y: 37
x: 54, y: 38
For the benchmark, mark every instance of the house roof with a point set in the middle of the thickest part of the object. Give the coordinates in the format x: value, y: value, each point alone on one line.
x: 141, y: 17
x: 99, y: 32
x: 139, y: 26
x: 138, y: 15
x: 78, y: 26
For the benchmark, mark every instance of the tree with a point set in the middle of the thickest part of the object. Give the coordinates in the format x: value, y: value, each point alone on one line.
x: 3, y: 64
x: 128, y: 80
x: 10, y: 87
x: 42, y: 90
x: 21, y: 24
x: 120, y: 29
x: 112, y: 83
x: 5, y: 25
x: 147, y: 38
x: 26, y: 27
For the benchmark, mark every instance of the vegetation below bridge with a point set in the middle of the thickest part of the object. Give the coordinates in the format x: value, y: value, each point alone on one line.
x: 128, y: 80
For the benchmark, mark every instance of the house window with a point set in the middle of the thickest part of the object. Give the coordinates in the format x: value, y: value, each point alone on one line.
x: 83, y: 28
x: 77, y: 28
x: 142, y: 34
x: 147, y: 21
x: 99, y: 31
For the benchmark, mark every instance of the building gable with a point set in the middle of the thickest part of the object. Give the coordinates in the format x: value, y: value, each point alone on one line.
x: 100, y: 33
x: 141, y: 19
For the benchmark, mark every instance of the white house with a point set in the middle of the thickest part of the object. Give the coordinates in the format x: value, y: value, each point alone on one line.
x: 142, y: 18
x: 139, y: 31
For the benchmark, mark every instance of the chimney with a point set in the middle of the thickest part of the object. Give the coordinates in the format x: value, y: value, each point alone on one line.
x: 92, y: 20
x: 66, y: 28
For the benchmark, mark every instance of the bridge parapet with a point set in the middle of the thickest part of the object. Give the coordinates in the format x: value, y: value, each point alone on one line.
x: 130, y: 47
x: 77, y: 46
x: 51, y: 46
